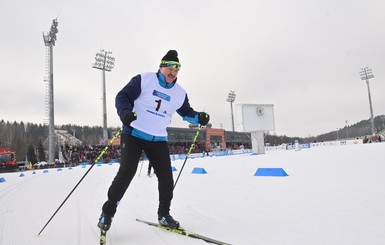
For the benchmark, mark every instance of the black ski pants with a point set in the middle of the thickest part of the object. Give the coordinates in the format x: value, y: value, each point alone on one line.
x: 158, y: 154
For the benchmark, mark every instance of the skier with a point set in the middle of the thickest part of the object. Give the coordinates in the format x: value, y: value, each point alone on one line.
x: 145, y: 106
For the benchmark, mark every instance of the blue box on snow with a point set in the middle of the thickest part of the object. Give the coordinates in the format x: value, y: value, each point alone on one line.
x: 270, y: 172
x: 199, y: 171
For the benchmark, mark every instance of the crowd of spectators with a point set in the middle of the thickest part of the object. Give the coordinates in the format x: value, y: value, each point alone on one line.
x: 88, y: 153
x: 237, y: 146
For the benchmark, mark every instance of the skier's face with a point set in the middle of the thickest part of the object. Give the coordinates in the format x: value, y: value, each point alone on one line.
x: 169, y: 73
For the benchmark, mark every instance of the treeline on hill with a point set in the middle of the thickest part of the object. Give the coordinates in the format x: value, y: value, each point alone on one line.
x: 22, y: 137
x: 357, y: 130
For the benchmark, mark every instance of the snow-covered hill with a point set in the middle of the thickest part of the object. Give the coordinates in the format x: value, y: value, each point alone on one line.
x: 333, y: 195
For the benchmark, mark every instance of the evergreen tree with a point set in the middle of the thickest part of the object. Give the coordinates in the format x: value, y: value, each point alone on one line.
x: 41, y: 151
x: 32, y: 155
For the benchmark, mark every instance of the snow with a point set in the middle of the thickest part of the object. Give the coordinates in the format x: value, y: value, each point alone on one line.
x: 333, y: 195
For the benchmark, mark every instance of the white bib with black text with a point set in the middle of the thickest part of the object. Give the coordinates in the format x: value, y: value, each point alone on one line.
x: 155, y: 105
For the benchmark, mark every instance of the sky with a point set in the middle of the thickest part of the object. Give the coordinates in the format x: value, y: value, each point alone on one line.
x: 304, y: 57
x: 332, y: 195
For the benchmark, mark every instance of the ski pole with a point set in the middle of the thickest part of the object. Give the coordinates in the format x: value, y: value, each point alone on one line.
x: 97, y: 160
x: 188, y: 153
x: 141, y: 167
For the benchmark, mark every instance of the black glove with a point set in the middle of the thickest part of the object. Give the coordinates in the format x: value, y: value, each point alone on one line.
x: 128, y: 118
x: 203, y: 118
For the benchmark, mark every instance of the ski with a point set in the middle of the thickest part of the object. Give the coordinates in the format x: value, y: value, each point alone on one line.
x: 103, y: 237
x: 184, y: 232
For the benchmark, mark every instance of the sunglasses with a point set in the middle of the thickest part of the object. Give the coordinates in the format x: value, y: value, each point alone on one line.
x: 172, y: 64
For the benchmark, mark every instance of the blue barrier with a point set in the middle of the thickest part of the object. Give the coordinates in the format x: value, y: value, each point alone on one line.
x: 2, y: 180
x: 270, y: 172
x: 301, y: 146
x: 199, y: 171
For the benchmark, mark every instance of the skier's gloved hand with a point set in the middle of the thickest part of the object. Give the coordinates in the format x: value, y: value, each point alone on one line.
x: 128, y: 118
x: 203, y: 118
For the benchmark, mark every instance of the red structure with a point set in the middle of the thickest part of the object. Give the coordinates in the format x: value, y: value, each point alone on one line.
x: 214, y: 132
x: 7, y: 160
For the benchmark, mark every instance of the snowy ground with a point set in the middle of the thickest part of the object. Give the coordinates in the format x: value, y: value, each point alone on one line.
x: 333, y: 195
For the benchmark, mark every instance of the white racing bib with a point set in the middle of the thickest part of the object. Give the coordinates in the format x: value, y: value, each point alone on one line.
x: 155, y: 105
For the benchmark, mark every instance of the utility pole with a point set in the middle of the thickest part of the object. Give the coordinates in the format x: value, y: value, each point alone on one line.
x: 366, y: 74
x: 105, y: 62
x: 231, y: 99
x: 49, y: 41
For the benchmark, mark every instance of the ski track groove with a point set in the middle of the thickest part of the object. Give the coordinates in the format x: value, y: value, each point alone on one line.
x: 6, y: 198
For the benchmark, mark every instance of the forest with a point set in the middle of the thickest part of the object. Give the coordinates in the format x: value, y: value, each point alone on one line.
x: 20, y: 137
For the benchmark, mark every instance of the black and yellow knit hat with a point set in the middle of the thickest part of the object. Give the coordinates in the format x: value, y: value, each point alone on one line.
x: 170, y: 60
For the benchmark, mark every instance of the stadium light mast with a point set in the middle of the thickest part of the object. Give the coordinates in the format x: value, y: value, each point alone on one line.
x: 347, y: 132
x: 231, y: 99
x: 49, y: 41
x: 338, y: 137
x: 105, y: 62
x: 366, y: 74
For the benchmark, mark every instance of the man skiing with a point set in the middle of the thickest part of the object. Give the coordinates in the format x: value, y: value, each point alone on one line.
x: 145, y: 106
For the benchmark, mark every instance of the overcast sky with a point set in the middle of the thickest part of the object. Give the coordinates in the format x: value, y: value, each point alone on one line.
x: 303, y: 56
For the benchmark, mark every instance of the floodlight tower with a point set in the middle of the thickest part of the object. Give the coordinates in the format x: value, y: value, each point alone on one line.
x: 347, y: 132
x: 49, y: 41
x: 231, y: 99
x: 105, y: 62
x: 366, y: 74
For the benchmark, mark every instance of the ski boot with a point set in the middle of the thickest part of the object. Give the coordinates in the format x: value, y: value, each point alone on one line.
x: 168, y: 221
x: 105, y: 222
